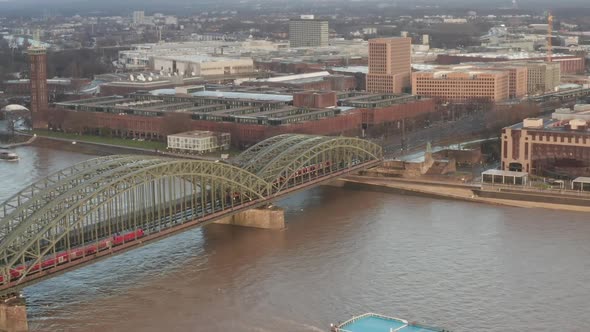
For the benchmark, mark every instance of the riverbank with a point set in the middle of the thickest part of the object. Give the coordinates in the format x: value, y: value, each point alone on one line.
x: 97, y: 145
x: 16, y: 144
x: 445, y: 190
x: 86, y: 147
x: 106, y: 141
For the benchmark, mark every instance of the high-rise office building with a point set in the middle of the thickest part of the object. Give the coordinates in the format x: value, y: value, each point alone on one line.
x: 308, y: 32
x: 390, y: 65
x: 38, y: 81
x: 138, y: 17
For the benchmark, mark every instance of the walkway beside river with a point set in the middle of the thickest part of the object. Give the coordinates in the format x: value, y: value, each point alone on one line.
x: 448, y: 190
x: 14, y: 145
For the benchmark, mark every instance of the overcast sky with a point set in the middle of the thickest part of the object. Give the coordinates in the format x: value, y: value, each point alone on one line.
x: 123, y: 7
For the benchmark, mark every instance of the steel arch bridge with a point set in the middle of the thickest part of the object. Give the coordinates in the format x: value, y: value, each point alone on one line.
x: 109, y: 204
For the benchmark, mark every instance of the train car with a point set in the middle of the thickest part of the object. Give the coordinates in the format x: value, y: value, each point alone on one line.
x: 71, y: 255
x: 14, y: 274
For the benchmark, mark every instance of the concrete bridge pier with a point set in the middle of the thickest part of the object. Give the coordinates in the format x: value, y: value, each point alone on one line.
x: 268, y: 217
x: 13, y: 314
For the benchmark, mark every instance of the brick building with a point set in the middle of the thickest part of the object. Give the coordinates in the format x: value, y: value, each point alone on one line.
x: 547, y: 147
x: 248, y: 120
x: 38, y: 82
x: 315, y: 99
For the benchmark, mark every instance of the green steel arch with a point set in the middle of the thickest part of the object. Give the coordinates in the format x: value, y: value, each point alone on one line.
x: 263, y: 156
x: 280, y: 157
x: 244, y: 157
x: 22, y: 205
x: 93, y: 200
x: 29, y: 191
x: 316, y: 151
x: 82, y: 209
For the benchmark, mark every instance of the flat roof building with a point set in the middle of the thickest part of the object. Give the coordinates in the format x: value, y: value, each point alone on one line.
x: 541, y: 76
x: 202, y: 65
x: 517, y: 77
x: 548, y: 147
x: 568, y: 63
x: 581, y: 183
x: 308, y: 32
x: 496, y: 176
x: 246, y: 113
x: 390, y: 65
x: 321, y: 80
x: 580, y: 111
x: 138, y: 17
x: 199, y: 141
x: 462, y: 85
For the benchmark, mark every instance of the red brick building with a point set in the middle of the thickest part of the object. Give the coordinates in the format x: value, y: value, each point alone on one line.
x: 315, y: 99
x: 247, y: 125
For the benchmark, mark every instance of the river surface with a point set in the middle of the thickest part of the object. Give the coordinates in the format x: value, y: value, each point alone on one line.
x: 458, y: 265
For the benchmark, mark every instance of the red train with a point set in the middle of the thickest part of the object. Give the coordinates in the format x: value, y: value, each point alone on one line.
x: 74, y: 254
x: 305, y: 170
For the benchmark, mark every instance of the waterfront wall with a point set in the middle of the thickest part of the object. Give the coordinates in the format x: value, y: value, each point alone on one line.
x: 534, y: 197
x: 467, y: 157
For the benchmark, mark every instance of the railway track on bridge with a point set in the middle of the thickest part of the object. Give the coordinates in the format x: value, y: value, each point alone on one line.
x: 114, y: 204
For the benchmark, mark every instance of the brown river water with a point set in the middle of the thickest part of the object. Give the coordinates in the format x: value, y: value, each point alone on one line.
x: 458, y: 265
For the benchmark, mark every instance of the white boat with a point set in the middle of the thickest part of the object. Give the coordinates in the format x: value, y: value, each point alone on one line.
x: 9, y: 156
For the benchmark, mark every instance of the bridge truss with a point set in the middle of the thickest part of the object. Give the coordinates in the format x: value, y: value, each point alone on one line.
x: 99, y: 206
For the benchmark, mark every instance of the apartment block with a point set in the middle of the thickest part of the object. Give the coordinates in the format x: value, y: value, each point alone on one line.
x: 308, y: 32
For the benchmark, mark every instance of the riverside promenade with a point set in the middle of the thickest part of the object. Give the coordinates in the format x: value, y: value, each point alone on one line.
x: 14, y: 145
x: 445, y: 190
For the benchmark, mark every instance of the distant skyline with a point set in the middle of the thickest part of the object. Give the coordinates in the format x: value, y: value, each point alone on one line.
x: 189, y: 7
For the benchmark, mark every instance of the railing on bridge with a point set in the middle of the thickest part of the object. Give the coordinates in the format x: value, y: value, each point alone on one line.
x: 108, y: 204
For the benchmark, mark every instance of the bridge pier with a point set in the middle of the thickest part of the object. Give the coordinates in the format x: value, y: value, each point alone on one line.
x: 13, y: 315
x: 264, y: 217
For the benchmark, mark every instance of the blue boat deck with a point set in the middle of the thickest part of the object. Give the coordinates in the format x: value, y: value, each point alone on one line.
x: 371, y: 322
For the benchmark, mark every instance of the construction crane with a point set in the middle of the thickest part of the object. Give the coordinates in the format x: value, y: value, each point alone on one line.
x: 549, y: 36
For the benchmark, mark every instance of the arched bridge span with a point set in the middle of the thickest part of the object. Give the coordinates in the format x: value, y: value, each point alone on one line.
x: 109, y: 204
